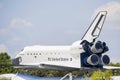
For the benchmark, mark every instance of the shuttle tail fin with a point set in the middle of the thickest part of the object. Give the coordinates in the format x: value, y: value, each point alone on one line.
x: 95, y: 28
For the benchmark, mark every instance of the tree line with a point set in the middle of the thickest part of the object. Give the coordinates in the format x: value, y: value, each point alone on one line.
x: 6, y: 67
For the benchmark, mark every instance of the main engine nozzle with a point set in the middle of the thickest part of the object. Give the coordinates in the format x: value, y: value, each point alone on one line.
x: 93, y: 59
x: 99, y: 47
x: 105, y: 60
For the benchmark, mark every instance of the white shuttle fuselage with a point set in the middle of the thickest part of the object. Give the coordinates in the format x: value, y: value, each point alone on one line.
x: 52, y: 56
x: 86, y: 53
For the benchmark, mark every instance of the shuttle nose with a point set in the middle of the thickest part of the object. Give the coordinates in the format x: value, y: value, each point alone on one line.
x: 15, y: 62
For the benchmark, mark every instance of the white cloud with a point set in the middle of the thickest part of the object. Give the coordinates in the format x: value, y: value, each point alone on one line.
x: 15, y: 23
x: 113, y: 16
x: 19, y: 23
x: 3, y: 48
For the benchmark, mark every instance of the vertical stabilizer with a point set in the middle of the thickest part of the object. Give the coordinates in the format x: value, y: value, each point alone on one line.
x: 95, y: 28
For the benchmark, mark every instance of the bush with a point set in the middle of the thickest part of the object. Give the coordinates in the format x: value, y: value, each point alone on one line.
x: 99, y: 75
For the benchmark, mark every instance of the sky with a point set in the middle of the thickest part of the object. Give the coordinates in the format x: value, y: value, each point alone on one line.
x: 56, y: 22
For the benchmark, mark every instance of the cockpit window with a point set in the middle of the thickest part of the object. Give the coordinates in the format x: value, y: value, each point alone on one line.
x: 22, y: 49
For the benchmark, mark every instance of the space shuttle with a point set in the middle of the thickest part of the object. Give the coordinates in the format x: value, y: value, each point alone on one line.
x: 87, y: 53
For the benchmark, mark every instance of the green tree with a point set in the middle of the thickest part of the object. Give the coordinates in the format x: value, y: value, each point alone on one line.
x: 5, y: 63
x: 4, y: 60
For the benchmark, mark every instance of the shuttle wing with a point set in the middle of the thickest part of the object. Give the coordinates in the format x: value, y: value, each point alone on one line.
x: 111, y: 67
x: 56, y: 66
x: 94, y: 30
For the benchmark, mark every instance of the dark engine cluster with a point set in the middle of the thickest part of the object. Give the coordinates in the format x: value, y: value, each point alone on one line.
x: 99, y: 47
x: 93, y: 55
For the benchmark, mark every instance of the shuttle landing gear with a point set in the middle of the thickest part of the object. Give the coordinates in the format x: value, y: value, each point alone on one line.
x: 67, y: 76
x: 86, y: 75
